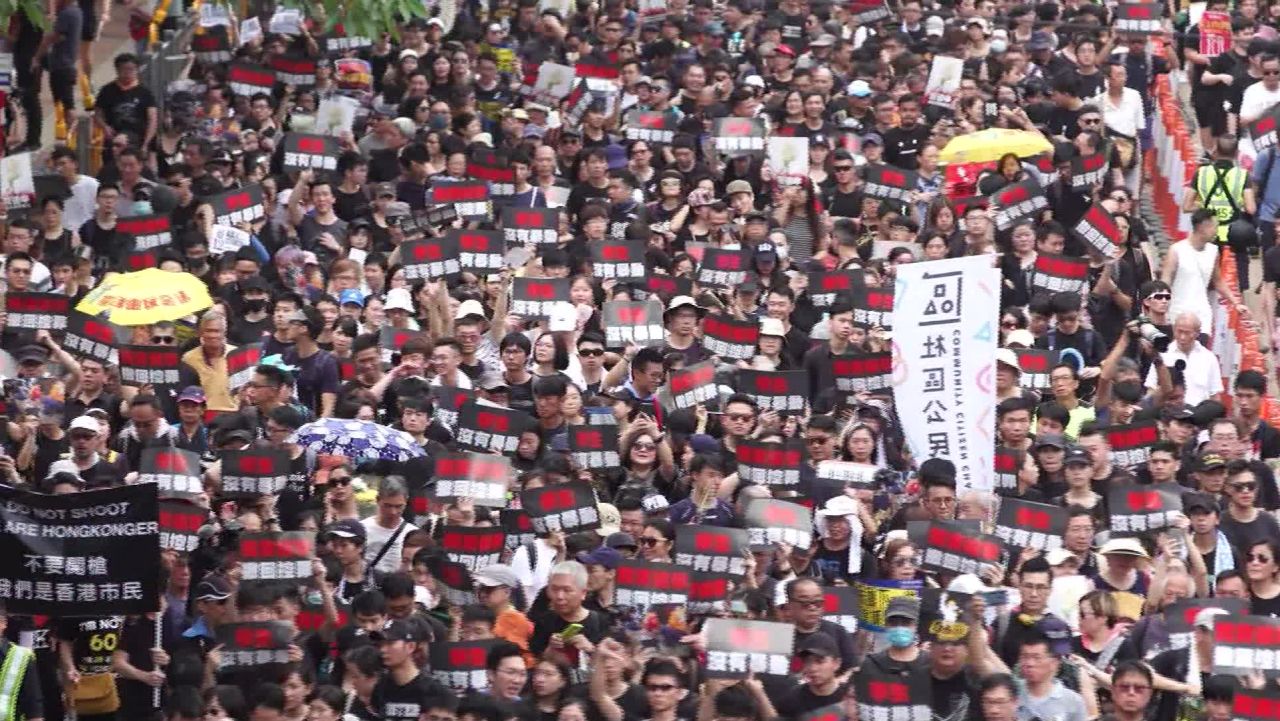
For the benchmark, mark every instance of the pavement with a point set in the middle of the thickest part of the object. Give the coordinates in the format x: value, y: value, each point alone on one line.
x: 113, y: 41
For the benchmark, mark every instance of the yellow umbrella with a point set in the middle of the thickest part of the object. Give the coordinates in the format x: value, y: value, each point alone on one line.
x: 992, y: 144
x: 147, y: 296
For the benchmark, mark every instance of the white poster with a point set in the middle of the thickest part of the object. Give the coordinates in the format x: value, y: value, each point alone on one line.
x: 250, y: 30
x: 287, y: 21
x: 944, y: 344
x: 788, y: 158
x: 554, y: 80
x: 226, y: 239
x: 944, y: 80
x: 212, y: 14
x: 17, y: 184
x: 336, y: 115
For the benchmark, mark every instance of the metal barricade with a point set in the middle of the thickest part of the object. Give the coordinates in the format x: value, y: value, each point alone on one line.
x: 169, y: 61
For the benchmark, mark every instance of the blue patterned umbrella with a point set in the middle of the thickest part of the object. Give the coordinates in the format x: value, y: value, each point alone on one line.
x: 357, y: 440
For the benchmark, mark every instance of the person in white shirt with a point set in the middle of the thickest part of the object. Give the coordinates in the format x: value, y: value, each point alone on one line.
x: 387, y: 528
x: 80, y: 206
x: 1202, y: 373
x: 1258, y: 99
x: 1122, y: 114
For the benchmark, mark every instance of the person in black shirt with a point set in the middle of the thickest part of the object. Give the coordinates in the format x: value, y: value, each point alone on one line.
x: 902, y: 144
x: 405, y: 692
x: 820, y: 659
x: 1066, y: 106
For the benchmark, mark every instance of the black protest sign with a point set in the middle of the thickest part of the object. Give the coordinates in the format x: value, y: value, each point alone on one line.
x: 298, y: 71
x: 828, y: 286
x: 1137, y: 509
x: 687, y: 387
x: 1255, y: 704
x: 618, y: 259
x: 1263, y: 130
x: 887, y: 695
x: 482, y: 477
x: 393, y: 339
x: 430, y: 258
x: 437, y: 216
x: 80, y: 554
x: 147, y: 231
x: 665, y: 287
x: 729, y: 337
x: 1060, y: 273
x: 475, y: 547
x: 494, y: 169
x: 576, y: 103
x: 459, y: 588
x: 565, y: 507
x: 1031, y: 525
x: 340, y: 43
x: 1098, y: 228
x: 155, y: 365
x: 479, y: 251
x: 736, y: 137
x: 642, y: 584
x: 252, y: 645
x: 536, y: 297
x: 277, y: 557
x: 91, y: 337
x: 769, y: 463
x: 1035, y: 365
x: 1016, y: 201
x: 889, y: 183
x: 1243, y: 645
x: 848, y: 474
x: 488, y: 428
x: 180, y: 524
x: 722, y: 268
x: 446, y: 401
x: 782, y: 391
x: 1008, y: 462
x: 840, y: 605
x: 1139, y: 18
x: 212, y: 45
x: 873, y: 306
x: 248, y: 79
x: 738, y: 647
x: 519, y: 526
x: 460, y: 665
x: 522, y: 226
x: 1131, y: 443
x: 36, y: 311
x: 633, y: 321
x: 594, y: 447
x: 770, y: 521
x: 241, y: 364
x: 709, y: 549
x: 304, y: 151
x: 254, y: 472
x: 242, y: 205
x: 651, y: 126
x: 1180, y: 616
x: 869, y: 12
x: 863, y: 372
x: 176, y: 472
x: 709, y: 592
x: 1088, y: 171
x: 469, y: 198
x: 951, y: 547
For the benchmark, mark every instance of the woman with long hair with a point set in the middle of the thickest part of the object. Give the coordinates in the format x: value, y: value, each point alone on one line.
x: 797, y: 215
x: 899, y: 560
x: 860, y: 443
x: 550, y: 681
x: 649, y: 462
x: 943, y: 219
x: 550, y: 356
x: 435, y: 152
x: 640, y: 164
x: 657, y: 541
x: 1260, y: 571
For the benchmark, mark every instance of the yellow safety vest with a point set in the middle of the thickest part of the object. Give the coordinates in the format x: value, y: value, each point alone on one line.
x: 1224, y: 198
x: 16, y: 660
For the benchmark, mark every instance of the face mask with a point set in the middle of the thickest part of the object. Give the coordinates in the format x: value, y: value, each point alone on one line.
x: 782, y: 252
x: 439, y: 122
x: 256, y: 305
x: 998, y: 46
x: 901, y: 636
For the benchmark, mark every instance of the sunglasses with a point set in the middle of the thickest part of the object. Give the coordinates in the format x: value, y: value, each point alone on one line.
x: 591, y: 352
x: 1244, y: 486
x: 1160, y: 296
x: 1259, y: 558
x: 1271, y: 73
x: 339, y: 480
x: 844, y: 168
x: 163, y: 339
x: 648, y: 542
x: 644, y: 446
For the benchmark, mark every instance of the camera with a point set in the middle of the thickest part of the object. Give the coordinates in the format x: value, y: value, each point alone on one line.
x: 1152, y: 334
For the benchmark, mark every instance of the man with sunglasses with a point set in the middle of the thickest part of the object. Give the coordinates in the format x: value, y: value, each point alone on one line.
x: 1243, y: 523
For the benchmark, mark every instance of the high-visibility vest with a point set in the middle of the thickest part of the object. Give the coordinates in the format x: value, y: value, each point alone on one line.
x: 1222, y: 198
x: 16, y: 660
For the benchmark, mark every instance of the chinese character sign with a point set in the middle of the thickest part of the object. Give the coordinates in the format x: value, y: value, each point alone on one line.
x: 943, y: 363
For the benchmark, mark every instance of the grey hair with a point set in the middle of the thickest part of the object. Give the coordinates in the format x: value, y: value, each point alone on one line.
x: 573, y: 569
x: 392, y: 487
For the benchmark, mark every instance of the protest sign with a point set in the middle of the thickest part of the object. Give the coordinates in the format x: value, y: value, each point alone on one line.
x: 554, y: 81
x: 736, y: 647
x: 494, y: 169
x: 522, y: 226
x: 1008, y: 464
x: 723, y: 268
x: 242, y: 205
x: 770, y: 521
x: 281, y: 557
x: 336, y: 114
x: 874, y: 597
x: 213, y: 46
x: 1215, y: 33
x: 566, y: 507
x: 950, y: 547
x: 482, y: 477
x: 213, y: 15
x: 475, y: 547
x: 826, y: 287
x: 781, y: 391
x: 536, y: 297
x: 250, y: 30
x: 1035, y: 365
x: 1088, y: 171
x: 1098, y: 228
x: 479, y: 251
x: 944, y: 81
x: 1131, y: 443
x: 460, y: 665
x: 296, y: 70
x: 179, y: 524
x: 872, y: 306
x: 594, y: 447
x: 863, y: 372
x: 176, y: 472
x: 142, y: 365
x: 709, y: 549
x: 1263, y: 130
x: 1138, y: 509
x: 392, y: 339
x: 469, y: 198
x: 17, y: 182
x: 430, y: 258
x: 1244, y: 645
x: 148, y: 231
x: 1013, y: 202
x: 770, y: 463
x: 489, y: 428
x: 889, y: 183
x: 651, y: 126
x: 241, y: 363
x: 1030, y: 525
x: 642, y: 584
x: 1255, y: 704
x: 286, y: 21
x: 709, y: 593
x: 254, y: 472
x: 847, y: 474
x: 36, y: 311
x: 249, y: 79
x: 254, y: 646
x: 888, y: 695
x: 1060, y: 273
x: 303, y: 151
x: 729, y: 337
x: 519, y: 526
x: 788, y: 159
x: 869, y: 12
x: 630, y: 321
x: 459, y: 587
x: 1139, y: 18
x: 93, y: 553
x: 226, y: 239
x: 619, y: 259
x: 664, y: 287
x: 736, y: 137
x: 689, y: 386
x: 1180, y: 616
x: 91, y: 337
x: 840, y: 606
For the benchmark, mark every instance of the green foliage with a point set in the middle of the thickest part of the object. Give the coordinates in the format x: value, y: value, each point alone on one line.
x: 33, y: 9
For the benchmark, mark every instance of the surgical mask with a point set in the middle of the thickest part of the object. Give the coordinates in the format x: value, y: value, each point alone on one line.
x: 998, y: 46
x: 256, y: 305
x: 901, y: 636
x: 439, y: 122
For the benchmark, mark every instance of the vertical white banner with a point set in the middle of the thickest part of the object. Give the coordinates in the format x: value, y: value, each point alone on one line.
x: 944, y: 343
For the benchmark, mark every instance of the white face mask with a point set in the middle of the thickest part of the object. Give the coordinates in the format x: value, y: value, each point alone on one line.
x: 998, y: 45
x: 782, y: 251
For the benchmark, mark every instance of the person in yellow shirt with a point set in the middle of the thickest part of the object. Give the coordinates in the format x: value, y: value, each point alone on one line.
x: 206, y: 364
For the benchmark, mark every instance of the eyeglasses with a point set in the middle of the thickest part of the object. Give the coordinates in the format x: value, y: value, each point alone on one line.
x: 1259, y: 558
x: 669, y: 181
x: 644, y: 446
x: 1131, y: 687
x: 809, y: 602
x: 163, y: 340
x: 817, y: 440
x: 1160, y: 296
x: 650, y: 542
x: 1249, y: 486
x: 591, y: 352
x: 339, y: 480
